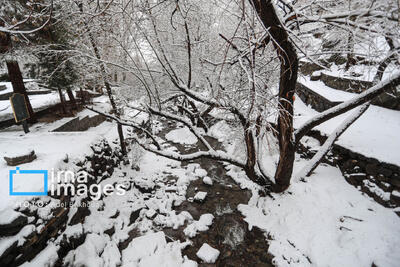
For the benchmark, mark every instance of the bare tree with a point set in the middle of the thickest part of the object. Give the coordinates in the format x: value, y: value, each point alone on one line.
x: 241, y: 62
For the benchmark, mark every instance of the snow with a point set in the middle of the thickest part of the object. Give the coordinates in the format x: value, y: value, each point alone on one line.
x: 200, y: 172
x: 6, y: 242
x: 181, y: 136
x: 200, y: 196
x: 201, y: 225
x: 207, y: 180
x: 331, y: 139
x: 50, y: 148
x: 8, y: 216
x: 143, y: 246
x: 88, y: 253
x: 320, y: 88
x: 46, y: 258
x: 153, y: 250
x: 326, y: 221
x: 207, y: 253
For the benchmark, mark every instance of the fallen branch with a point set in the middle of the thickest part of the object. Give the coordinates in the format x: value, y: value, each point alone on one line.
x: 315, y: 161
x: 362, y: 98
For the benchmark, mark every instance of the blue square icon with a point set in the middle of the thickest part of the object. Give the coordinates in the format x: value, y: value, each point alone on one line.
x: 22, y: 181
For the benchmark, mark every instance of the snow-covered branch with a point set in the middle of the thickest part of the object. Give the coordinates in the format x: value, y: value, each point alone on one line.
x: 314, y: 162
x: 362, y: 98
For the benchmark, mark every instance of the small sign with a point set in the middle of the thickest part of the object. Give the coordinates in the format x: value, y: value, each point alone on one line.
x: 19, y: 107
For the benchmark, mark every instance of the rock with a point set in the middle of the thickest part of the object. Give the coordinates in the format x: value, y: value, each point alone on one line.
x: 395, y: 180
x: 18, y: 160
x: 372, y: 169
x: 134, y: 215
x: 13, y: 227
x: 357, y: 177
x: 200, y: 196
x: 395, y: 197
x: 316, y: 76
x: 207, y: 253
x: 385, y: 171
x: 382, y: 178
x: 385, y: 186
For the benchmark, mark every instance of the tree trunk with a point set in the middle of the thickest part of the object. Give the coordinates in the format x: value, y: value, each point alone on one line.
x: 107, y: 85
x: 287, y: 84
x: 5, y: 40
x: 17, y: 82
x: 71, y: 98
x: 64, y: 109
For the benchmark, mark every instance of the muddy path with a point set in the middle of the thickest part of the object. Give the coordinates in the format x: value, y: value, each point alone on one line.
x: 229, y: 232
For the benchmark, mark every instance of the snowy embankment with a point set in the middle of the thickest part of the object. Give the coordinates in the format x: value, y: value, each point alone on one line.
x: 375, y: 134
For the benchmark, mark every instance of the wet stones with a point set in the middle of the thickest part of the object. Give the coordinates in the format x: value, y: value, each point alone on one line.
x: 395, y: 197
x: 376, y: 179
x: 14, y: 226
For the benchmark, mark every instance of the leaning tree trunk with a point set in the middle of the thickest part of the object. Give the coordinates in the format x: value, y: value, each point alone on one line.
x: 287, y: 84
x: 17, y: 82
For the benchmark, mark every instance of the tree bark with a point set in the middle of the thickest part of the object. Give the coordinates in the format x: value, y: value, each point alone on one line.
x: 107, y: 85
x: 62, y: 101
x: 287, y: 84
x: 71, y: 97
x: 5, y: 40
x: 17, y: 82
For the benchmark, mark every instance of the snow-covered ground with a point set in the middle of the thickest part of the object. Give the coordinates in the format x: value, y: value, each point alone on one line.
x: 321, y: 222
x: 50, y: 148
x: 326, y: 222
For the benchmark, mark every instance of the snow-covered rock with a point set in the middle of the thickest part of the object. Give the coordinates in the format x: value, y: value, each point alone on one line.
x: 153, y: 250
x: 181, y: 136
x: 207, y: 253
x: 200, y: 196
x: 207, y: 180
x: 202, y: 224
x: 200, y: 172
